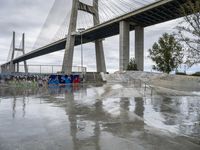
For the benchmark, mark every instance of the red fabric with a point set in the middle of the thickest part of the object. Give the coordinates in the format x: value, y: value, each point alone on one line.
x: 76, y: 80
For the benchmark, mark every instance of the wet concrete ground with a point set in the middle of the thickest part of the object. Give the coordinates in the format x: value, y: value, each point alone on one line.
x: 112, y: 116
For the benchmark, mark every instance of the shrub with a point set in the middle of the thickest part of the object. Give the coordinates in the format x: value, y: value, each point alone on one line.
x: 181, y: 73
x: 196, y: 74
x: 132, y: 65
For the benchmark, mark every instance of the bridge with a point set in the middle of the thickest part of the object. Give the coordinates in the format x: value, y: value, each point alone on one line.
x: 151, y: 14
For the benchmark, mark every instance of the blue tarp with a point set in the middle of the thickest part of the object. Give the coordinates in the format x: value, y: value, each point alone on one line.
x: 63, y: 79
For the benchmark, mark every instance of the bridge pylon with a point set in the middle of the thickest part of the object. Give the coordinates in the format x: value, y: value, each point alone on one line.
x: 70, y: 43
x: 124, y: 48
x: 15, y: 67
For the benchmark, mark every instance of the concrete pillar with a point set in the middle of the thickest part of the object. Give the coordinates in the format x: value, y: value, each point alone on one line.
x: 124, y: 45
x: 2, y: 69
x: 7, y: 68
x: 100, y: 58
x: 69, y: 48
x: 139, y: 48
x: 12, y: 67
x: 17, y: 67
x: 13, y: 47
x: 23, y: 50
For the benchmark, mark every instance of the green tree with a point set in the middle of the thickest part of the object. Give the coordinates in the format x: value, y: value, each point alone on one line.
x: 167, y: 53
x: 132, y: 65
x: 189, y: 31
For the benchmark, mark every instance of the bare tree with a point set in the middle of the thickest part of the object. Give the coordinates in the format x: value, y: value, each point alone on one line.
x: 189, y: 31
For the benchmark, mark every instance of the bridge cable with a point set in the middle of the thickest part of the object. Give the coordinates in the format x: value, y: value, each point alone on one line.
x: 10, y: 51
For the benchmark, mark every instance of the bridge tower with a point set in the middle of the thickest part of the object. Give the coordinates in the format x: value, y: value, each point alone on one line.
x: 12, y: 66
x: 69, y: 48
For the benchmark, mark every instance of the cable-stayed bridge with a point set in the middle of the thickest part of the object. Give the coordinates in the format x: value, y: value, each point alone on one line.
x: 107, y: 18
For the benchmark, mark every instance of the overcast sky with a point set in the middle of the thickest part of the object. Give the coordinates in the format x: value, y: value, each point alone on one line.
x: 29, y: 16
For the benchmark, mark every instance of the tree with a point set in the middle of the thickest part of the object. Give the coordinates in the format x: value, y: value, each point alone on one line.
x: 189, y: 31
x: 167, y: 53
x: 132, y: 65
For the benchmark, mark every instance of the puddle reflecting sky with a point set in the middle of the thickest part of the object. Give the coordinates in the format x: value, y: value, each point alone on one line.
x: 88, y: 117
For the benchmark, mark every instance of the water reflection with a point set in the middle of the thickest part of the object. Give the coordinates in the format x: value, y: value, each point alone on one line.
x: 24, y: 107
x: 139, y: 106
x: 94, y: 122
x: 14, y: 107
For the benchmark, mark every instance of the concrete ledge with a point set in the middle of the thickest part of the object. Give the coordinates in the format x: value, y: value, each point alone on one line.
x: 176, y: 82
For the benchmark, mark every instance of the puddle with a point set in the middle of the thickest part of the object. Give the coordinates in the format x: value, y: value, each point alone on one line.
x: 111, y: 116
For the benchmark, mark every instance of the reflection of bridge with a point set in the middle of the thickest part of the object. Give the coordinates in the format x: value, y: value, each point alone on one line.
x: 154, y: 13
x: 80, y: 116
x: 131, y: 122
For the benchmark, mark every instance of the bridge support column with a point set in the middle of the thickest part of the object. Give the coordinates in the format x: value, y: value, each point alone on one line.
x: 100, y: 59
x: 12, y: 67
x: 69, y: 48
x: 17, y: 67
x: 124, y: 45
x: 6, y: 67
x: 139, y: 48
x: 25, y: 67
x: 23, y: 51
x: 3, y: 69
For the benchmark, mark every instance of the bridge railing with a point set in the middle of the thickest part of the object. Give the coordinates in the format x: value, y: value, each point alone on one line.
x: 50, y: 69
